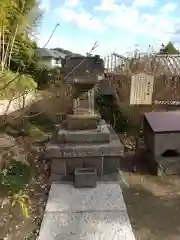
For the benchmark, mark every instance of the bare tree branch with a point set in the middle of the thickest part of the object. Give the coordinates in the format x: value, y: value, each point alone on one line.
x: 49, y: 39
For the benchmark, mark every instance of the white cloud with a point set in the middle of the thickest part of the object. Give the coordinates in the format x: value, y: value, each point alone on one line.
x: 144, y: 3
x: 81, y: 18
x: 66, y: 42
x: 107, y: 6
x: 83, y: 46
x: 134, y: 20
x: 72, y: 3
x: 121, y: 19
x: 125, y: 18
x: 45, y: 5
x: 169, y: 8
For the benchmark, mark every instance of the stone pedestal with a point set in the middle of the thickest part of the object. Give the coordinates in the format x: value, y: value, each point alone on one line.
x: 84, y: 140
x: 100, y: 149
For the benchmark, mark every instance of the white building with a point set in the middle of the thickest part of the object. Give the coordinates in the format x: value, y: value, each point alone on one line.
x: 51, y: 58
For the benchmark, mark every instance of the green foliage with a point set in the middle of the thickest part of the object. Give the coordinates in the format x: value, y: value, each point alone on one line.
x: 42, y: 77
x: 30, y: 129
x: 35, y: 131
x: 43, y: 122
x: 23, y: 200
x: 111, y: 113
x: 15, y: 176
x: 18, y: 21
x: 24, y: 57
x: 12, y: 84
x: 45, y: 75
x: 30, y: 236
x: 169, y: 49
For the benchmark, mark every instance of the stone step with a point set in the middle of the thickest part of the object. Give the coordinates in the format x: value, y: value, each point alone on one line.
x: 110, y: 149
x: 81, y: 121
x: 65, y: 167
x: 86, y: 214
x: 99, y: 135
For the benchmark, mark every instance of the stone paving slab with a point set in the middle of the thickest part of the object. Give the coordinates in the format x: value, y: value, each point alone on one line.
x: 86, y: 226
x: 67, y: 198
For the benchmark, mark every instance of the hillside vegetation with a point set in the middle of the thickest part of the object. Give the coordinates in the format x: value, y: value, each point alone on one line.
x: 18, y: 58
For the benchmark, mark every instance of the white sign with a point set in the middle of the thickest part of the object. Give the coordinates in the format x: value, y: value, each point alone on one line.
x: 141, y: 89
x: 171, y: 103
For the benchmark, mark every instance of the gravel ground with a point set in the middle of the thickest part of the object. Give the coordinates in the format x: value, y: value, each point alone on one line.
x: 153, y: 203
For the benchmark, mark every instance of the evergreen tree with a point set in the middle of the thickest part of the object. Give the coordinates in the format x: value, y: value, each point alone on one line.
x: 169, y: 49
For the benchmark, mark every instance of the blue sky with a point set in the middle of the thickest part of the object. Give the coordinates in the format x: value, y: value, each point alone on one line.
x: 117, y: 25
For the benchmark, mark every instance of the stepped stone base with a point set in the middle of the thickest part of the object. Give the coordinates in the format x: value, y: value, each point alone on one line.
x: 99, y: 135
x: 66, y: 167
x: 81, y: 121
x: 105, y: 157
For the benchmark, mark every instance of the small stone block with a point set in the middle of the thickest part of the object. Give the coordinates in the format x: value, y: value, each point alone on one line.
x: 85, y: 177
x: 94, y: 162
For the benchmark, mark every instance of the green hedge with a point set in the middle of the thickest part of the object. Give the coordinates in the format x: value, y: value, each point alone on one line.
x: 111, y: 113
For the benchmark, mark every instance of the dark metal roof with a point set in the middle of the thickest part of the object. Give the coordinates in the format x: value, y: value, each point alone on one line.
x: 45, y: 52
x: 67, y: 52
x: 58, y: 54
x: 164, y: 121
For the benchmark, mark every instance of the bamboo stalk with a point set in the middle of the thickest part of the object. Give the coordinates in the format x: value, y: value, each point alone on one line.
x: 12, y: 45
x: 2, y: 55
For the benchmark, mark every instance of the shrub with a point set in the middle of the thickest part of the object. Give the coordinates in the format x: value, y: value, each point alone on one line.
x: 12, y: 84
x: 111, y: 113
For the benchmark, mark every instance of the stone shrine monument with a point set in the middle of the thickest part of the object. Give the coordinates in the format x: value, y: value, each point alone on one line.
x: 83, y: 140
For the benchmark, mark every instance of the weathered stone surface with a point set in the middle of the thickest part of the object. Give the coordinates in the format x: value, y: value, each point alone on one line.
x: 111, y: 164
x: 58, y: 166
x: 55, y: 178
x: 103, y: 156
x: 66, y: 198
x: 94, y: 162
x: 86, y: 226
x: 82, y: 121
x: 113, y: 148
x: 71, y: 164
x: 99, y: 135
x: 85, y: 177
x: 86, y: 214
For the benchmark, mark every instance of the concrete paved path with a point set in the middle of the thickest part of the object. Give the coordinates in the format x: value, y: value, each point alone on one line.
x: 86, y: 214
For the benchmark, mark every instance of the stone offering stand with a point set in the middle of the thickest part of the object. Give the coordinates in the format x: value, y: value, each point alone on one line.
x: 84, y: 140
